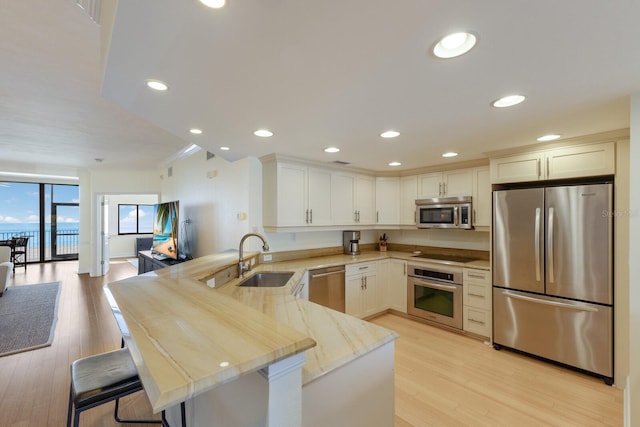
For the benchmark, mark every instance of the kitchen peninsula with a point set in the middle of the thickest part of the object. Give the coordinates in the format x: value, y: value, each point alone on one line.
x: 219, y: 350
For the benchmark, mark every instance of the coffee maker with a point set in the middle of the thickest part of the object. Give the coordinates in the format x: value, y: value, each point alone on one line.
x: 351, y: 242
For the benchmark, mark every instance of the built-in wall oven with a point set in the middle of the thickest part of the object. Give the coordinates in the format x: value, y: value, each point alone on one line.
x: 435, y: 293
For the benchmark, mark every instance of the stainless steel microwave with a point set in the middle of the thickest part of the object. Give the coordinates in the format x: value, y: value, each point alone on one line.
x: 447, y: 212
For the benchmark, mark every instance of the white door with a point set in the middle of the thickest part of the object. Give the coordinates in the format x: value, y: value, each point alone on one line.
x: 104, y: 237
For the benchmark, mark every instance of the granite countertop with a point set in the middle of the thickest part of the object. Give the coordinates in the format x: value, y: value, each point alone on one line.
x: 181, y: 332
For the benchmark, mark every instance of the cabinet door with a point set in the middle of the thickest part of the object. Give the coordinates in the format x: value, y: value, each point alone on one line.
x: 430, y: 185
x: 481, y: 197
x: 292, y: 193
x: 388, y: 200
x: 365, y: 200
x: 372, y: 298
x: 397, y: 285
x: 585, y: 160
x: 457, y: 183
x: 408, y: 196
x: 519, y: 168
x: 342, y: 198
x: 354, y: 287
x: 319, y: 196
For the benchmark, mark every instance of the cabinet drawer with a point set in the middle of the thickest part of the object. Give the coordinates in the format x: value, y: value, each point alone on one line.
x: 477, y: 321
x: 477, y: 295
x: 472, y: 274
x: 363, y: 267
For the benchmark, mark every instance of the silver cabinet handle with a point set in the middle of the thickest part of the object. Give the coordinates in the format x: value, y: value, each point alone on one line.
x: 476, y: 321
x: 313, y: 276
x: 550, y: 246
x: 476, y: 295
x: 444, y: 188
x: 547, y: 302
x: 439, y: 189
x: 306, y: 216
x: 536, y: 240
x: 377, y: 216
x: 477, y: 276
x: 310, y: 216
x: 538, y: 168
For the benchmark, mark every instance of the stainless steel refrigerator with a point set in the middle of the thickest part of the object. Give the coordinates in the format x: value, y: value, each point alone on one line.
x: 553, y: 274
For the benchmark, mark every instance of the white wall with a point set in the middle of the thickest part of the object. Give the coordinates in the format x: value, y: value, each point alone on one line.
x: 632, y: 405
x: 221, y: 200
x: 125, y: 245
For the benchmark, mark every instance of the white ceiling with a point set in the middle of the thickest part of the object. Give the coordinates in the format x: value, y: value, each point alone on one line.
x: 317, y: 73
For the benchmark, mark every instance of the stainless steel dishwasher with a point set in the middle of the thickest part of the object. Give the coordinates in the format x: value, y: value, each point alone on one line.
x: 326, y: 287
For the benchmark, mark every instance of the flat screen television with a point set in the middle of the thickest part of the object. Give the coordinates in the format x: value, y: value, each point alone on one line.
x: 165, y: 230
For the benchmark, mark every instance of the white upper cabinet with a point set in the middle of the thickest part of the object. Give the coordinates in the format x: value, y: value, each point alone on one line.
x: 319, y: 197
x: 365, y: 196
x: 387, y: 200
x: 481, y: 197
x: 343, y: 185
x: 353, y: 199
x: 558, y: 163
x: 408, y: 196
x: 453, y: 183
x: 586, y: 160
x: 295, y: 195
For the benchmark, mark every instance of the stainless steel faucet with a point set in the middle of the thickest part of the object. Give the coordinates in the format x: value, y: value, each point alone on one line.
x: 241, y: 267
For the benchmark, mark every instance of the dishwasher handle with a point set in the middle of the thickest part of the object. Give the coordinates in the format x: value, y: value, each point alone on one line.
x: 313, y: 276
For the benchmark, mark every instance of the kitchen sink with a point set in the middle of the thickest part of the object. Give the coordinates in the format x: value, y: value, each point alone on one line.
x: 267, y: 279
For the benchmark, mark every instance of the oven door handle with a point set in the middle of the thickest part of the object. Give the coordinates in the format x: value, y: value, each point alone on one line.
x: 437, y: 286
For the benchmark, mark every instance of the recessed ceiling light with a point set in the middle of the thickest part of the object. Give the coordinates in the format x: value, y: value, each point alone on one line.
x: 196, y: 131
x: 450, y: 154
x: 214, y: 4
x: 454, y: 45
x: 157, y: 85
x: 395, y: 164
x: 331, y: 150
x: 263, y: 133
x: 390, y: 134
x: 225, y: 148
x: 508, y: 101
x: 549, y: 137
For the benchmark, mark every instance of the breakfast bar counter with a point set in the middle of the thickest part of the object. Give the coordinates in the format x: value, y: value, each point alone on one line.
x: 189, y: 341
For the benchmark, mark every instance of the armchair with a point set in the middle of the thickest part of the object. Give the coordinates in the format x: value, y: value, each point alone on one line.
x: 6, y: 267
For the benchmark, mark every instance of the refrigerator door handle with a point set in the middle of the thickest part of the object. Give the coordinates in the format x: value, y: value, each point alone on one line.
x: 550, y: 246
x: 547, y: 302
x: 537, y: 244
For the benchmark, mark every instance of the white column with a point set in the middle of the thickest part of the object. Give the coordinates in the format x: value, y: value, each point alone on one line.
x: 285, y: 391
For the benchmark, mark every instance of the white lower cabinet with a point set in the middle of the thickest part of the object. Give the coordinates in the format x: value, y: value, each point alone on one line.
x: 477, y: 301
x: 362, y: 293
x: 396, y: 285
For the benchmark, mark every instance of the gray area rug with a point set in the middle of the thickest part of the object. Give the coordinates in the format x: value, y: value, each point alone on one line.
x: 28, y: 317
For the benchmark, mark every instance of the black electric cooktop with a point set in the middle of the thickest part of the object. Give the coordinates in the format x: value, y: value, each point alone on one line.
x: 440, y: 257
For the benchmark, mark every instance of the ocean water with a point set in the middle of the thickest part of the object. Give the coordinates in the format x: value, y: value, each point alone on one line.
x: 7, y: 231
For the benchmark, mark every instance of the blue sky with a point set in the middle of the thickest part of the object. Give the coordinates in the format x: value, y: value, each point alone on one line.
x: 19, y: 202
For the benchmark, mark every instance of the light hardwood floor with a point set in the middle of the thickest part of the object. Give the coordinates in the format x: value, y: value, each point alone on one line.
x: 442, y: 378
x: 447, y: 379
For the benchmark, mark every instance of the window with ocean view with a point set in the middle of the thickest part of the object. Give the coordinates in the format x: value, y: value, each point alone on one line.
x: 48, y: 214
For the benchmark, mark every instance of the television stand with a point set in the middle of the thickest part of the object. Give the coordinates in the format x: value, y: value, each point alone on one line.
x: 148, y: 261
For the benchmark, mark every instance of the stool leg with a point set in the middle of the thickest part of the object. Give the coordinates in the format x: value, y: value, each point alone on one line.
x: 70, y: 406
x: 121, y: 421
x: 183, y: 414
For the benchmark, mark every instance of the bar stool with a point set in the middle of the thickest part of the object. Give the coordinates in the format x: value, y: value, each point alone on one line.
x: 99, y: 379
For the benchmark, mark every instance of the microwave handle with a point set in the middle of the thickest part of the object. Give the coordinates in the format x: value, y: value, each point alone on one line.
x: 456, y: 217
